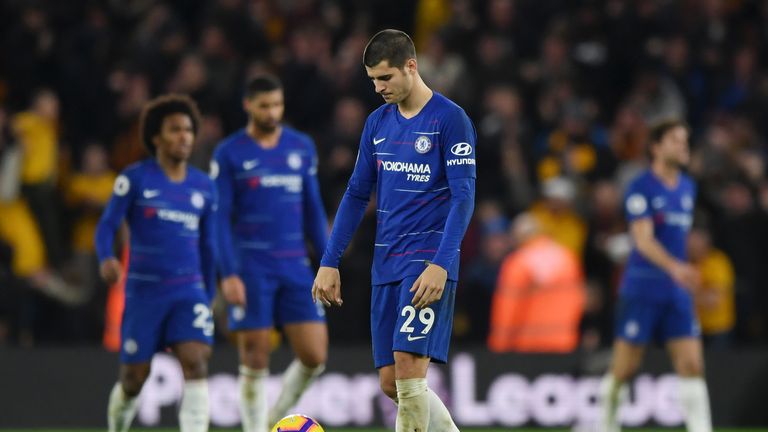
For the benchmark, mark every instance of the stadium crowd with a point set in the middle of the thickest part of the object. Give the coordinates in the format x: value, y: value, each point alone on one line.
x: 562, y: 94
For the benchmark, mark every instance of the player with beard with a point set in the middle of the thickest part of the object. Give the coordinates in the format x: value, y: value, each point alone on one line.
x: 655, y: 301
x: 269, y: 204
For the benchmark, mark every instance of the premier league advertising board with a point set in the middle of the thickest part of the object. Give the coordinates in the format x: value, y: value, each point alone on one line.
x: 480, y: 388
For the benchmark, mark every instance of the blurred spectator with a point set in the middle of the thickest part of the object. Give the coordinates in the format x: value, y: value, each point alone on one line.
x: 87, y: 192
x: 473, y: 305
x: 555, y: 216
x: 37, y: 130
x: 539, y: 298
x: 715, y: 297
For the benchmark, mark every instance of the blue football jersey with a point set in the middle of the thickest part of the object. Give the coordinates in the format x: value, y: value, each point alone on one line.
x: 411, y: 161
x: 269, y: 200
x: 172, y: 227
x: 671, y: 210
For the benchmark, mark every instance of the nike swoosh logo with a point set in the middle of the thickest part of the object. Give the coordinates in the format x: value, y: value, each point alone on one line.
x: 249, y: 164
x: 148, y: 193
x: 377, y: 141
x: 413, y: 338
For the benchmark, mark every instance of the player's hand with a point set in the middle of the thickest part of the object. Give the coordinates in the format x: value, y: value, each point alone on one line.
x: 429, y: 286
x: 327, y: 287
x: 685, y: 275
x: 111, y: 270
x: 233, y: 289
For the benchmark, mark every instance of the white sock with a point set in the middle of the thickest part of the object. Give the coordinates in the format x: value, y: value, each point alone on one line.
x: 694, y: 400
x: 122, y: 409
x: 413, y: 405
x: 439, y: 418
x: 610, y: 390
x: 253, y: 399
x: 194, y: 413
x: 296, y: 379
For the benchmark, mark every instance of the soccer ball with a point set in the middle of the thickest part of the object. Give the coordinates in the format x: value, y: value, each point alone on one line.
x: 296, y: 423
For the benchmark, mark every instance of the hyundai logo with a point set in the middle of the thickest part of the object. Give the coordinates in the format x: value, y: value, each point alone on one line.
x: 461, y: 149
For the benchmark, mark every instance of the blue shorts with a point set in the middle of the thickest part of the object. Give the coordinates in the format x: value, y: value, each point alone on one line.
x: 638, y: 320
x: 274, y: 300
x: 152, y: 322
x: 397, y: 326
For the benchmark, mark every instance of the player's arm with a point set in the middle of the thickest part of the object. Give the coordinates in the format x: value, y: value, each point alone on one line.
x: 231, y: 285
x: 109, y: 224
x: 642, y: 233
x: 314, y: 212
x: 327, y: 286
x: 208, y: 244
x: 458, y: 152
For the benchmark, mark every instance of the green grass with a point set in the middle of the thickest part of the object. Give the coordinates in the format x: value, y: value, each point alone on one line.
x: 386, y: 430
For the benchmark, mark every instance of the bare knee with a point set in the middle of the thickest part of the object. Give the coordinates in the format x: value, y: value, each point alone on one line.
x: 388, y: 387
x: 194, y: 367
x: 193, y: 357
x: 314, y: 358
x: 132, y: 378
x: 387, y: 381
x: 254, y: 353
x: 689, y: 367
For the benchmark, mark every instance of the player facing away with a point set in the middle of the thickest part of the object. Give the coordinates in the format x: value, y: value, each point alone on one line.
x: 655, y: 296
x: 169, y: 208
x: 269, y: 204
x: 418, y: 149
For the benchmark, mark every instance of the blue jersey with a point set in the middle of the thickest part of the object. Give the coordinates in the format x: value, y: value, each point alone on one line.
x: 423, y: 168
x: 269, y: 199
x: 671, y: 210
x: 172, y: 228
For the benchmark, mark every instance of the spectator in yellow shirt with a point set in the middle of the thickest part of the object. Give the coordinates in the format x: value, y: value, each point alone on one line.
x: 715, y: 297
x: 555, y: 216
x: 87, y: 193
x: 37, y: 132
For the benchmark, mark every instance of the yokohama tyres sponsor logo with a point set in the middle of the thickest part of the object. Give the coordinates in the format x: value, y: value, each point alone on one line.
x: 291, y: 182
x: 406, y: 167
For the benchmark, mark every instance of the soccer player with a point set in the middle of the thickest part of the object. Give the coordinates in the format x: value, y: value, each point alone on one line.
x: 169, y: 208
x: 419, y: 150
x: 269, y: 203
x: 655, y: 296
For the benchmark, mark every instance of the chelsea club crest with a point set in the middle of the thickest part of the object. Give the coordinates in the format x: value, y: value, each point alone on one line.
x: 423, y: 144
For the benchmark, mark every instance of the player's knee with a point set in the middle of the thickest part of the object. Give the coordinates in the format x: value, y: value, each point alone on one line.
x: 133, y: 380
x: 689, y: 367
x: 389, y: 388
x: 313, y: 360
x: 195, y: 368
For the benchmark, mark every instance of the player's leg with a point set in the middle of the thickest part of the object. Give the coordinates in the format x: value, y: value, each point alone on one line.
x: 123, y: 398
x: 142, y: 319
x: 309, y: 341
x: 194, y: 412
x: 635, y: 321
x: 189, y: 332
x: 685, y: 349
x: 303, y: 323
x: 625, y: 360
x: 412, y: 392
x: 418, y: 337
x: 253, y: 326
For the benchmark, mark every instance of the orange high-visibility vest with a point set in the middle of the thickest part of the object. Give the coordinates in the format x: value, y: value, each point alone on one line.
x: 539, y: 300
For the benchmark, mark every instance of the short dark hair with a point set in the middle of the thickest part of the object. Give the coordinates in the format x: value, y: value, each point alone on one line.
x: 394, y: 46
x: 262, y: 84
x: 661, y: 128
x: 155, y: 112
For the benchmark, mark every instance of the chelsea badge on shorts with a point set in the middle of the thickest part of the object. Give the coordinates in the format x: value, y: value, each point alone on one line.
x: 423, y: 144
